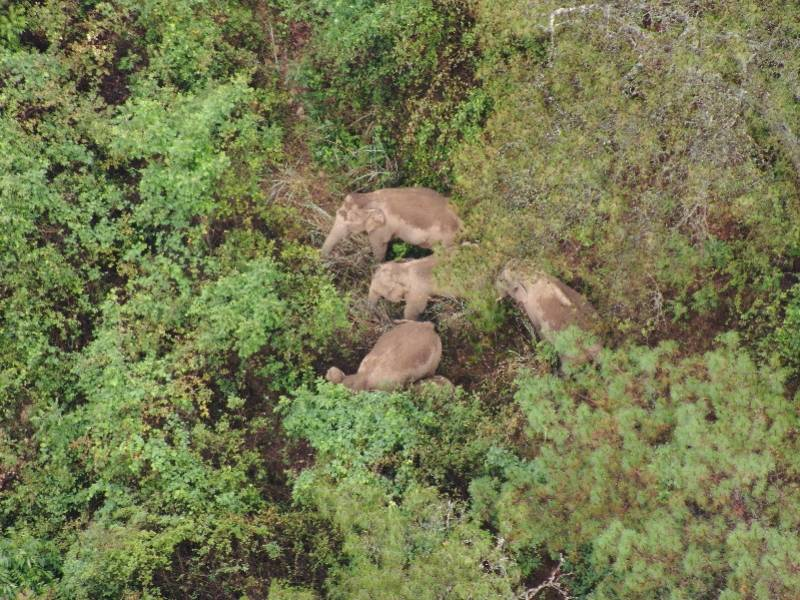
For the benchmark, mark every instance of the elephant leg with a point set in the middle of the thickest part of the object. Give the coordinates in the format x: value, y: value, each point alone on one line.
x: 414, y: 307
x: 379, y: 244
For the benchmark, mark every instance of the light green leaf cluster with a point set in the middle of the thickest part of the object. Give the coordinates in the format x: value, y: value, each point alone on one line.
x: 660, y: 474
x: 148, y: 319
x: 419, y: 547
x: 435, y: 435
x: 386, y: 102
x: 401, y: 538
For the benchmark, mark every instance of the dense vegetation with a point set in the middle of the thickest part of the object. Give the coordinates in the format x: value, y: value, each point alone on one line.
x: 167, y: 170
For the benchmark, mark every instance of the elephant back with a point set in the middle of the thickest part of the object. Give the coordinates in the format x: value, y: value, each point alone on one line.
x: 408, y: 352
x: 557, y: 306
x: 419, y: 207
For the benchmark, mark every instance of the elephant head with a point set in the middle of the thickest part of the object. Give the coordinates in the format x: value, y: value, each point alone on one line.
x: 336, y: 375
x: 509, y: 283
x: 552, y: 307
x: 410, y: 281
x: 355, y: 215
x: 389, y: 281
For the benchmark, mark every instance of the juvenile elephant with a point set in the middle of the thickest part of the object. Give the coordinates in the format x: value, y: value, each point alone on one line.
x: 552, y: 306
x: 409, y: 281
x: 419, y: 216
x: 409, y: 352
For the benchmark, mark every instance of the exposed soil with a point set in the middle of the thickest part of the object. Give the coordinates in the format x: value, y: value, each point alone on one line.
x: 35, y: 39
x: 485, y: 362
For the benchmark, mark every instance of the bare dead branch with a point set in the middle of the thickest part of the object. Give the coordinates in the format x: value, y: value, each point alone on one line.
x: 582, y: 9
x: 552, y: 583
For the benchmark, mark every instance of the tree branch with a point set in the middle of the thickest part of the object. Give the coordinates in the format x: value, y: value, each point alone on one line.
x: 552, y: 583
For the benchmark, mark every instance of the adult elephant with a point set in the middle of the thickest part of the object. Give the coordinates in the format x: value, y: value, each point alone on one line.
x: 405, y: 354
x: 419, y: 216
x: 552, y: 307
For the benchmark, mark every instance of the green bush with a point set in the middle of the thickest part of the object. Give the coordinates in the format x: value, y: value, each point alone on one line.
x: 433, y: 435
x: 156, y: 305
x: 149, y: 316
x: 131, y: 459
x: 656, y: 475
x: 626, y: 143
x: 788, y: 334
x: 375, y: 453
x: 387, y: 86
x: 12, y: 24
x: 419, y: 547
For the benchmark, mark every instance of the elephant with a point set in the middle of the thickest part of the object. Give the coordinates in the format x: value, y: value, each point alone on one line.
x: 407, y: 353
x: 411, y: 281
x: 552, y: 306
x: 419, y: 216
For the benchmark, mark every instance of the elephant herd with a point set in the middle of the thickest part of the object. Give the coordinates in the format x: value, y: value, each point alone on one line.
x: 412, y: 350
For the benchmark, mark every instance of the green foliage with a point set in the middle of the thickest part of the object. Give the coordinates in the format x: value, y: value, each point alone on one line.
x: 184, y: 140
x: 627, y: 143
x: 672, y: 474
x: 419, y: 547
x: 26, y: 564
x: 148, y: 321
x: 247, y: 310
x: 431, y: 435
x: 788, y: 335
x: 280, y: 591
x: 12, y: 24
x: 130, y: 460
x: 388, y: 86
x: 162, y: 434
x: 375, y: 451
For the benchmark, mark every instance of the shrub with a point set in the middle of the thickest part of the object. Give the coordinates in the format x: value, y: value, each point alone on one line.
x: 658, y: 475
x: 149, y: 315
x: 375, y: 453
x: 388, y: 86
x: 621, y: 148
x: 433, y: 435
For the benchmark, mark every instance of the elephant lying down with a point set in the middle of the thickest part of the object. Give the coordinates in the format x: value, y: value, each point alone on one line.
x: 552, y: 306
x: 419, y: 216
x: 409, y: 352
x: 409, y: 281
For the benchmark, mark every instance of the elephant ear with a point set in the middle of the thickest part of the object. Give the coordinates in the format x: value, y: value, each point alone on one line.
x: 518, y: 291
x: 375, y: 218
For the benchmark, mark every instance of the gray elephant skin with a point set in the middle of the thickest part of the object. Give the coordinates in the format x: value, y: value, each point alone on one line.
x: 552, y: 306
x: 419, y: 216
x: 407, y: 353
x: 409, y: 281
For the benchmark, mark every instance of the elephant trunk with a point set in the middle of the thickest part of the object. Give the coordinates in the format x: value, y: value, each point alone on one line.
x: 354, y: 382
x: 374, y: 296
x: 337, y: 233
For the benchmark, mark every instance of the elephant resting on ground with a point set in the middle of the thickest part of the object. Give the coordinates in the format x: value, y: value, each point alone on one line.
x: 419, y: 216
x: 409, y: 352
x: 552, y: 306
x: 410, y: 281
